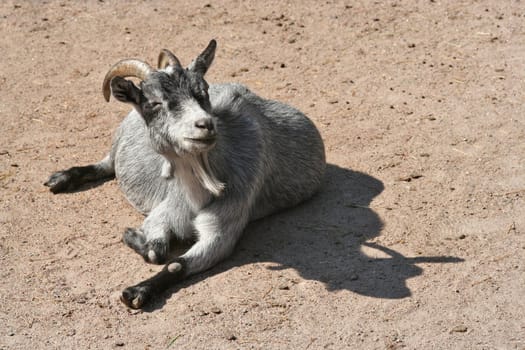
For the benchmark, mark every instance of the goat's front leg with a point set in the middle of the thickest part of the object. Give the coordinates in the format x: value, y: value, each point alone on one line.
x: 135, y: 297
x: 72, y: 178
x: 217, y: 231
x: 151, y: 240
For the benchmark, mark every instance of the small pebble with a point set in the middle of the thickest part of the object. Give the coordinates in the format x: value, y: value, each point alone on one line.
x: 404, y: 178
x: 459, y: 329
x: 216, y: 310
x: 410, y: 177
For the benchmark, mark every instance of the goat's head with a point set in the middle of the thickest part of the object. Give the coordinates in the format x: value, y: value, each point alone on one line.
x: 173, y: 101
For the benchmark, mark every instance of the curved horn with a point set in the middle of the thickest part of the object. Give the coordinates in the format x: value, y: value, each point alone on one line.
x: 125, y: 68
x: 166, y: 57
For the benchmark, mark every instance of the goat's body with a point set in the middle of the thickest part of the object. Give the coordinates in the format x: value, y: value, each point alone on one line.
x: 200, y: 162
x: 268, y: 154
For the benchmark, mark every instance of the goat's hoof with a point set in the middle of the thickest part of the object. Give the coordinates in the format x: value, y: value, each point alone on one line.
x: 155, y: 251
x: 135, y: 297
x: 59, y: 181
x: 134, y: 239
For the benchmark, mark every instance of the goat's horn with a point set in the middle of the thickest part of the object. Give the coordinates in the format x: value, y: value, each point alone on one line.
x: 166, y: 57
x: 125, y: 68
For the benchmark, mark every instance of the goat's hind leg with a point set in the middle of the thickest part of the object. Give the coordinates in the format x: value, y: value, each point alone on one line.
x: 73, y: 178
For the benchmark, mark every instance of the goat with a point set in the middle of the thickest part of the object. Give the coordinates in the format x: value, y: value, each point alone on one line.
x: 200, y: 161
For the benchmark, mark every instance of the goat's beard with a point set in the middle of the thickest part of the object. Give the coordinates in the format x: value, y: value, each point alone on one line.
x: 201, y: 168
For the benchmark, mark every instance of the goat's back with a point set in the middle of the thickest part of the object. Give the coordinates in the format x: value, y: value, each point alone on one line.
x: 288, y: 159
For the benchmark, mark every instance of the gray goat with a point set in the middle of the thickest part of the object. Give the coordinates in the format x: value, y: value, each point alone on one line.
x: 200, y: 161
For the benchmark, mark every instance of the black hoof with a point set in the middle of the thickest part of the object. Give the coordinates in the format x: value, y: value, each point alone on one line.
x: 135, y: 297
x: 134, y: 239
x: 154, y: 251
x: 59, y: 182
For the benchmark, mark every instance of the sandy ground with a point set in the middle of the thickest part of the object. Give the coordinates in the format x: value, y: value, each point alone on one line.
x: 416, y: 240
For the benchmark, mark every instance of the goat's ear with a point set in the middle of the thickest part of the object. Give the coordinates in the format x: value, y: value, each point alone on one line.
x: 204, y: 60
x: 125, y: 91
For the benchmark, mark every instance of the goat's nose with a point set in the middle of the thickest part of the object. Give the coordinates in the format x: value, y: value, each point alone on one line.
x: 205, y: 123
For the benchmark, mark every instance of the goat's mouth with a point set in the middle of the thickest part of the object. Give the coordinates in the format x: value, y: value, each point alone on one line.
x: 205, y: 141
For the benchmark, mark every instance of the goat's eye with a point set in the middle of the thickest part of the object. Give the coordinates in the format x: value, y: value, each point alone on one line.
x: 201, y: 94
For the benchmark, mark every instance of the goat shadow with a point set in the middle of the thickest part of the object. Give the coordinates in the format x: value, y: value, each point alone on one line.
x: 322, y: 239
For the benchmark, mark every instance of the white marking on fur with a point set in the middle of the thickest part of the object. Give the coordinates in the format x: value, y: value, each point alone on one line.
x: 168, y: 69
x: 174, y: 267
x: 152, y: 256
x: 201, y: 168
x: 192, y: 65
x: 192, y: 108
x: 195, y: 193
x: 167, y: 169
x: 136, y: 303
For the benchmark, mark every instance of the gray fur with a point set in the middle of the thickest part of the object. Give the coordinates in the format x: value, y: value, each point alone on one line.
x: 266, y: 156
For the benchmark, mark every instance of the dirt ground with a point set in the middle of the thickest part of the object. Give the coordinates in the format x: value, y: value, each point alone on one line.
x: 416, y: 241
